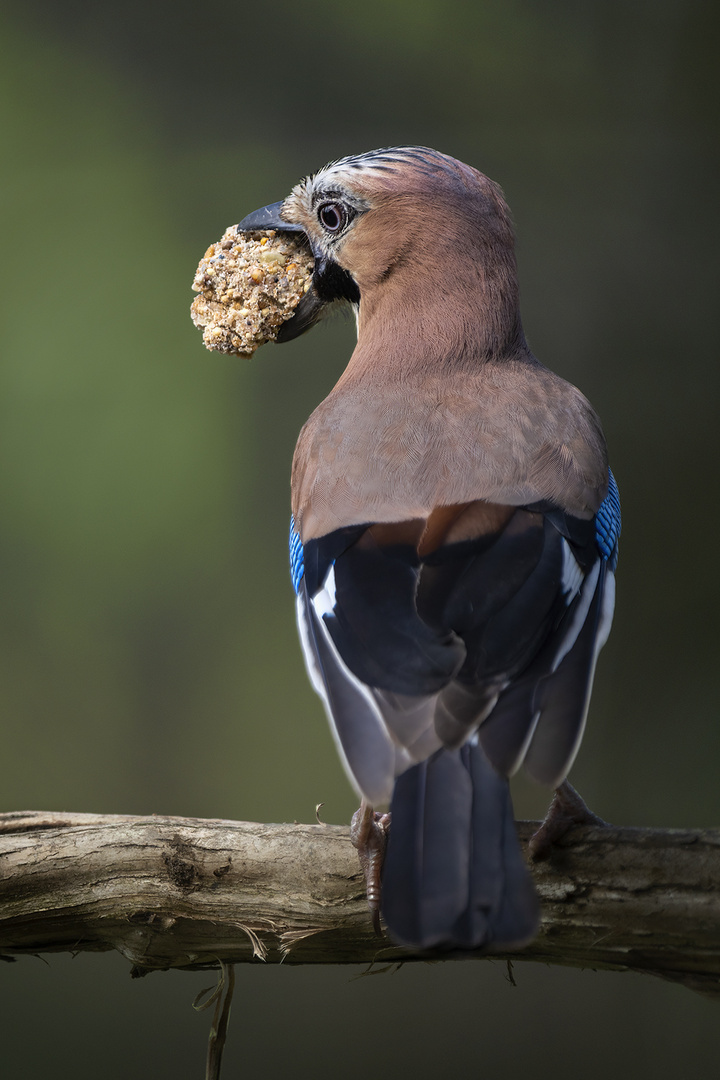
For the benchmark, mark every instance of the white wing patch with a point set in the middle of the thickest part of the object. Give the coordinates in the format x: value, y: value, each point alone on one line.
x: 324, y: 599
x: 367, y: 752
x: 572, y: 573
x: 604, y: 625
x: 580, y: 615
x: 601, y: 636
x: 606, y: 615
x: 309, y: 653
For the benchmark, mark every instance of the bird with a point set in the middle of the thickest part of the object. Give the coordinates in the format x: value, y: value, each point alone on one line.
x: 453, y: 540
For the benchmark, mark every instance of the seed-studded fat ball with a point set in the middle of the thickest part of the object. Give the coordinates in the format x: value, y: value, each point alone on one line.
x: 249, y: 284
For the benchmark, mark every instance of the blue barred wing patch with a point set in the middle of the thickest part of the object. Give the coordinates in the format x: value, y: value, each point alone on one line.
x: 297, y: 561
x: 608, y: 523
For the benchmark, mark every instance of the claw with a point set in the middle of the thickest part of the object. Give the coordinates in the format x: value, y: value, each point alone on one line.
x: 567, y: 808
x: 368, y: 833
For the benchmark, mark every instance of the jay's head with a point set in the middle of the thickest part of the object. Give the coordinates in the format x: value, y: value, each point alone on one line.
x: 406, y: 230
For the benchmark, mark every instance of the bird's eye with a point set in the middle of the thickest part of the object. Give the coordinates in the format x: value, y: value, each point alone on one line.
x: 333, y: 216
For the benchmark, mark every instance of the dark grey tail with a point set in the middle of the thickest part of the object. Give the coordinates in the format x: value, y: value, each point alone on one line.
x: 454, y: 875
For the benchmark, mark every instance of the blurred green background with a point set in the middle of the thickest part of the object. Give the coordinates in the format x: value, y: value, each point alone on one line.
x: 148, y: 659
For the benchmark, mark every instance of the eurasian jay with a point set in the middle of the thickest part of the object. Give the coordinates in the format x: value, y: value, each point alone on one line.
x: 453, y: 539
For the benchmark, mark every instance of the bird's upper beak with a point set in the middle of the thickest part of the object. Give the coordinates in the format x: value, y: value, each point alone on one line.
x: 267, y: 217
x: 329, y: 281
x: 310, y: 307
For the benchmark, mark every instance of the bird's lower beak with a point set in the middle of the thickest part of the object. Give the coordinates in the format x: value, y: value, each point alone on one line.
x: 267, y: 217
x: 329, y: 281
x: 310, y: 307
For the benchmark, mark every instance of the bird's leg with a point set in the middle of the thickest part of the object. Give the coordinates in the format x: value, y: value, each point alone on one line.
x: 368, y: 832
x: 567, y: 808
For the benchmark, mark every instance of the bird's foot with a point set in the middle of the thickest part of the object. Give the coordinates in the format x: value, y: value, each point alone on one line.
x: 368, y: 832
x: 568, y: 808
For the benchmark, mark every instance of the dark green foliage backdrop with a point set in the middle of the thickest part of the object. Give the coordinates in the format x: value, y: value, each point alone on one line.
x: 148, y: 660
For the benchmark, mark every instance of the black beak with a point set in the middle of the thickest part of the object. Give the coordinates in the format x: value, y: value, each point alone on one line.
x: 329, y: 281
x: 267, y: 217
x: 309, y: 308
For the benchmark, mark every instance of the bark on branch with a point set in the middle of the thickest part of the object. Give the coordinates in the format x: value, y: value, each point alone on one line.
x: 185, y: 893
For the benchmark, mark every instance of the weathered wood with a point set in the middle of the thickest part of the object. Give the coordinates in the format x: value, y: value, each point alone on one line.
x: 182, y: 892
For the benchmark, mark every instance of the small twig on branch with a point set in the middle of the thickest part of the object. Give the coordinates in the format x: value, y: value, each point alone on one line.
x: 186, y: 893
x: 221, y: 998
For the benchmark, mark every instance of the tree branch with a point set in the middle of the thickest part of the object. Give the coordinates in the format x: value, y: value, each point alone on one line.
x: 186, y: 893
